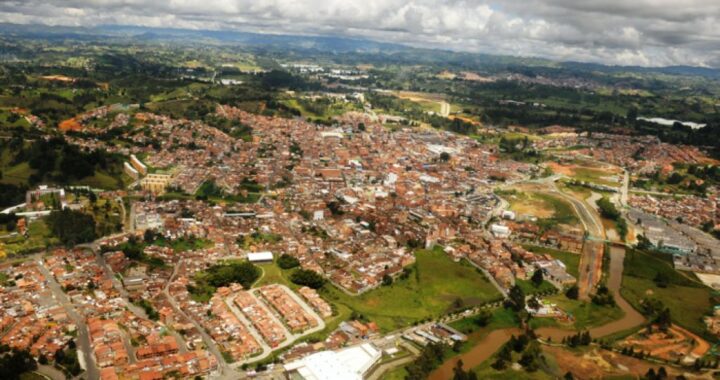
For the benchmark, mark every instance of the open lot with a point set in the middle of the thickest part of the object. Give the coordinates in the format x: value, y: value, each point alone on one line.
x: 686, y: 297
x: 542, y: 206
x: 435, y: 284
x: 587, y: 171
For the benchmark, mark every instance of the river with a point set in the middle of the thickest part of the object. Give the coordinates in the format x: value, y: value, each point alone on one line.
x: 495, y: 339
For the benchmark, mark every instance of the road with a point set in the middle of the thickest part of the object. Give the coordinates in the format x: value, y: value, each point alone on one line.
x: 594, y: 247
x: 624, y: 189
x: 83, y: 336
x: 225, y: 370
x: 110, y: 275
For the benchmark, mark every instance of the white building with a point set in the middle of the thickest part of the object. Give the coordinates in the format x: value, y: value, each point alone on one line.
x: 260, y: 257
x: 500, y: 231
x: 351, y: 363
x: 507, y: 214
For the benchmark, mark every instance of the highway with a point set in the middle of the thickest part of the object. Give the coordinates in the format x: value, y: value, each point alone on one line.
x: 593, y: 250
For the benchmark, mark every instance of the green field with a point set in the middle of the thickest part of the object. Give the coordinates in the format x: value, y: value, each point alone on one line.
x: 529, y: 288
x: 485, y: 371
x: 18, y: 174
x: 571, y: 260
x: 593, y: 175
x: 688, y: 299
x: 501, y: 318
x: 586, y: 314
x: 435, y: 284
x: 39, y: 238
x: 272, y: 274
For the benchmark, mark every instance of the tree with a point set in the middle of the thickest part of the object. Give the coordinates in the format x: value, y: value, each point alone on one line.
x: 72, y: 227
x: 517, y: 298
x: 499, y: 364
x: 603, y: 297
x: 148, y: 236
x: 573, y: 292
x: 387, y: 280
x: 286, y: 261
x: 460, y: 374
x: 537, y: 278
x: 533, y: 303
x: 663, y: 320
x: 482, y: 319
x: 650, y: 375
x: 430, y: 357
x: 16, y: 363
x: 661, y: 280
x: 244, y: 273
x: 308, y: 278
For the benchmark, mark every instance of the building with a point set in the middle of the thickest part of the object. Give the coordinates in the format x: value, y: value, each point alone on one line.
x: 351, y: 363
x: 500, y: 231
x: 138, y: 165
x: 260, y: 257
x: 155, y: 183
x: 507, y: 214
x: 130, y: 171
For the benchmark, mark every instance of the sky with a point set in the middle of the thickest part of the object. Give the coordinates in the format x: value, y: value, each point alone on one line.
x: 616, y: 32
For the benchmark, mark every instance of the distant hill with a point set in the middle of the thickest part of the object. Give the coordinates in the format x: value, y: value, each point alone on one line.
x: 331, y: 45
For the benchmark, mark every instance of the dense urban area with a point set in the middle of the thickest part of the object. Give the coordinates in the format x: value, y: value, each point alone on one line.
x: 179, y: 206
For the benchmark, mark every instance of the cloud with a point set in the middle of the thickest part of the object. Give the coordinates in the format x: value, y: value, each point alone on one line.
x: 640, y: 32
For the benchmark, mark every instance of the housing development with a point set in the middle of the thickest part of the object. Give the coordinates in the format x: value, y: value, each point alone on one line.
x: 171, y: 210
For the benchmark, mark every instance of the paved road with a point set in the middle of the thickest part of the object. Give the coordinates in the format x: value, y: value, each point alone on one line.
x: 624, y: 189
x: 83, y: 336
x: 591, y: 259
x: 225, y: 370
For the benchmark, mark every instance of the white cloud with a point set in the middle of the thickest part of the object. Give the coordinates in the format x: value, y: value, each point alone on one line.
x: 643, y: 32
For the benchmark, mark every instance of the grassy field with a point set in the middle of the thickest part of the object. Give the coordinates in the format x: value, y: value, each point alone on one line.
x: 571, y: 260
x: 529, y: 288
x: 272, y: 274
x: 501, y: 318
x: 435, y: 284
x: 39, y: 238
x: 586, y: 314
x: 688, y: 299
x: 396, y: 374
x: 17, y: 174
x: 485, y: 371
x: 595, y: 176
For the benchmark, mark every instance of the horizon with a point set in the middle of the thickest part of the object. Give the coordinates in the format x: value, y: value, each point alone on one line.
x: 97, y: 31
x: 652, y: 33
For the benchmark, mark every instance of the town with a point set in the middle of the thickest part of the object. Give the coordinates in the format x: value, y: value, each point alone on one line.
x: 292, y: 215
